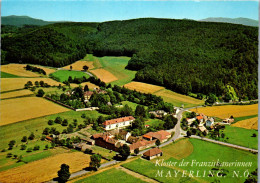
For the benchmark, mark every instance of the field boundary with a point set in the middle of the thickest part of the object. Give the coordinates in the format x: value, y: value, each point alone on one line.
x: 57, y: 102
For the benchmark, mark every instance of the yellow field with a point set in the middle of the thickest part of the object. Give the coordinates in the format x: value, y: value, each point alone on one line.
x: 90, y: 85
x: 143, y: 87
x: 79, y: 65
x: 170, y: 95
x: 179, y: 150
x: 45, y: 169
x: 19, y: 70
x: 251, y: 123
x: 18, y: 83
x: 15, y: 94
x: 19, y: 109
x: 227, y: 110
x: 47, y: 70
x: 104, y: 75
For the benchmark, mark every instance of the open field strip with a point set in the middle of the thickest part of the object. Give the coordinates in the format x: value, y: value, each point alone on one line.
x: 178, y: 97
x: 95, y: 60
x: 8, y: 84
x: 19, y: 109
x: 104, y: 75
x: 78, y: 65
x: 18, y: 93
x: 16, y: 131
x: 226, y: 111
x: 45, y: 169
x: 251, y: 123
x: 143, y: 87
x: 19, y: 70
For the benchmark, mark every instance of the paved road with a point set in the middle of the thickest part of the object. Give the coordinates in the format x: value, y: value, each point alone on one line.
x: 225, y: 144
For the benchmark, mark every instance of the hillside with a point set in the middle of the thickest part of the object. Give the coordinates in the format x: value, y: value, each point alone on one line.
x: 242, y: 21
x: 22, y: 20
x: 183, y: 55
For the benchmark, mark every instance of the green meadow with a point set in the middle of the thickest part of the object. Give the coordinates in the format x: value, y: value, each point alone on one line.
x: 63, y: 75
x: 7, y: 75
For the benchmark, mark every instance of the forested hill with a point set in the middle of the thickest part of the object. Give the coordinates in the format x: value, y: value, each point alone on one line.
x: 183, y: 55
x: 243, y: 21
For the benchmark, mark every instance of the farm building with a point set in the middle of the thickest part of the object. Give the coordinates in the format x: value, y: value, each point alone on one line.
x: 88, y: 94
x: 210, y: 122
x: 118, y: 123
x: 162, y: 135
x: 142, y: 144
x: 107, y: 141
x: 158, y: 113
x: 153, y: 153
x: 124, y: 134
x: 228, y: 120
x: 202, y: 128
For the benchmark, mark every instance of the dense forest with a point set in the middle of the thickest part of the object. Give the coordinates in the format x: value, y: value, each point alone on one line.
x: 183, y: 55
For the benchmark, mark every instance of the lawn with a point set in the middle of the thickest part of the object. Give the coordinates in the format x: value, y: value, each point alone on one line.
x: 154, y: 122
x: 199, y: 151
x: 7, y: 75
x: 63, y: 75
x: 103, y: 152
x: 241, y: 136
x: 210, y: 152
x: 24, y: 128
x: 236, y: 119
x: 111, y: 176
x: 149, y: 169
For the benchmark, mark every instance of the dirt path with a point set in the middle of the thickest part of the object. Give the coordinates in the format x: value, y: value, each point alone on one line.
x: 137, y: 175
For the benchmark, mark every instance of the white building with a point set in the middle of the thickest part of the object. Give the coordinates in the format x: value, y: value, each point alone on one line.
x: 118, y: 123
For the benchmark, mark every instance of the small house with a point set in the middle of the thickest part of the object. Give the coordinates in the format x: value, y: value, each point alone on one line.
x: 153, y: 153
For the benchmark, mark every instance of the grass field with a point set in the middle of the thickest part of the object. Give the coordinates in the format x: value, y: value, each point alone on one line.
x: 103, y: 152
x: 149, y: 169
x: 226, y: 111
x: 244, y: 118
x: 201, y: 152
x: 63, y: 75
x: 143, y: 87
x: 7, y: 75
x: 111, y: 176
x: 13, y: 94
x: 19, y: 109
x: 45, y: 169
x: 8, y: 84
x: 251, y: 123
x: 79, y: 65
x: 16, y: 131
x: 154, y: 122
x: 241, y: 136
x: 178, y: 99
x: 104, y: 75
x: 19, y: 70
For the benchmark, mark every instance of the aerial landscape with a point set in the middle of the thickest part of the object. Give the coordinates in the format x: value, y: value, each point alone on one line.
x: 136, y: 93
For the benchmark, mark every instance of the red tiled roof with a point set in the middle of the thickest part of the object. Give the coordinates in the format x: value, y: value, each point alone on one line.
x: 153, y: 152
x: 88, y: 93
x: 161, y: 135
x: 141, y: 143
x: 199, y: 117
x: 118, y: 120
x: 147, y: 136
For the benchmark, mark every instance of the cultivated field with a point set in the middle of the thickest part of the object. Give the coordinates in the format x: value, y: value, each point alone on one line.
x: 19, y: 109
x: 143, y: 87
x: 111, y: 176
x: 19, y: 70
x: 91, y: 86
x: 13, y: 94
x: 8, y: 84
x: 45, y: 169
x: 63, y: 75
x: 79, y: 65
x: 226, y: 111
x: 251, y: 123
x: 178, y: 99
x: 104, y: 75
x: 46, y: 69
